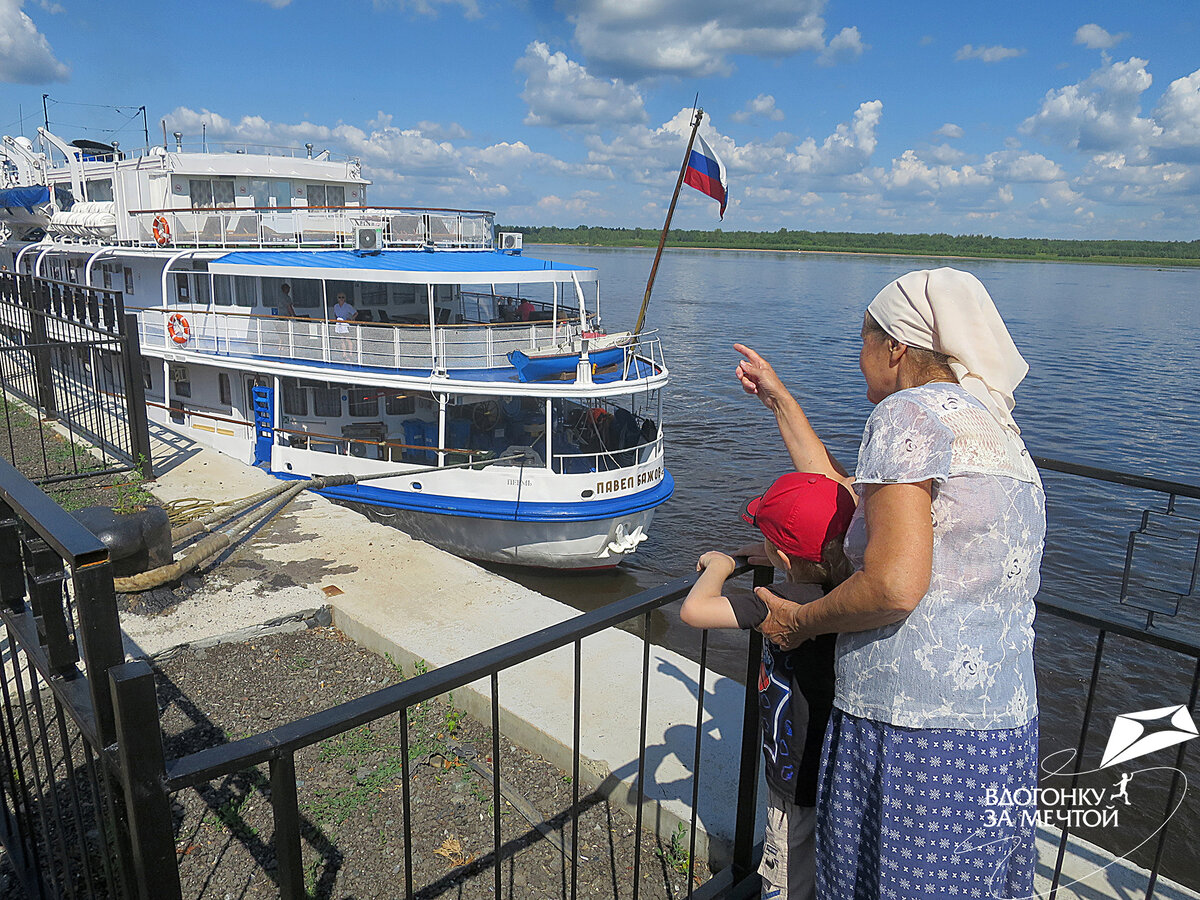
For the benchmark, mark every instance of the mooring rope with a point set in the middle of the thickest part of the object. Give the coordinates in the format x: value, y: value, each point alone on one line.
x: 261, y: 507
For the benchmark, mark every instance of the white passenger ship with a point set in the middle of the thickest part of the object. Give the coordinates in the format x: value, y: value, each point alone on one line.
x: 233, y: 262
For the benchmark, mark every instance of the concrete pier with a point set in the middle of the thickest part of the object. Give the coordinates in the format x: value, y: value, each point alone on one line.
x: 415, y: 603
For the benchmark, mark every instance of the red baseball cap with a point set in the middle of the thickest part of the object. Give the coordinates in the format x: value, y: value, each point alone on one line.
x: 801, y: 512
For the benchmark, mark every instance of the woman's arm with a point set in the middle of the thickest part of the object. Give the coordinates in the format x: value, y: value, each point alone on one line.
x: 897, y: 566
x: 807, y: 451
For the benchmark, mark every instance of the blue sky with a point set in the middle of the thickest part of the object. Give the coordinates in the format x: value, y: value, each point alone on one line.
x: 1057, y: 119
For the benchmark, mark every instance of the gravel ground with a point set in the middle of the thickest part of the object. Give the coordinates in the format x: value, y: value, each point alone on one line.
x: 350, y: 790
x: 39, y: 452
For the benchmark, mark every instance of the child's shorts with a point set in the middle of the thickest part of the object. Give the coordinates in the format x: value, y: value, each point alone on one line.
x: 788, y: 867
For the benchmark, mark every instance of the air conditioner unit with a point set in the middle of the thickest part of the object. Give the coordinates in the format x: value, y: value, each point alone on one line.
x: 368, y: 237
x: 179, y: 373
x: 511, y: 240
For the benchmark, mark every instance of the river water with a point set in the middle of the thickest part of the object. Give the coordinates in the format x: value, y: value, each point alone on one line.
x: 1113, y: 382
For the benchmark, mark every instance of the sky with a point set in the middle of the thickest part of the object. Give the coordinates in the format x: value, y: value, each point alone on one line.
x: 1058, y: 118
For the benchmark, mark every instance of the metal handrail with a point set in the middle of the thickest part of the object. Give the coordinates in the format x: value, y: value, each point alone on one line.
x: 213, y: 762
x: 369, y: 344
x: 1146, y: 482
x: 256, y: 227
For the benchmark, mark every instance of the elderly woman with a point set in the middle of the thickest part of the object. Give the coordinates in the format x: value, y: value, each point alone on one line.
x: 935, y: 719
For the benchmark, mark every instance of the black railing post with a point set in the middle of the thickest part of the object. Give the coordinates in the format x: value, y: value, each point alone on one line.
x: 43, y: 368
x: 135, y: 397
x: 286, y: 811
x: 98, y: 634
x: 147, y: 804
x: 12, y: 573
x: 747, y: 797
x: 45, y: 575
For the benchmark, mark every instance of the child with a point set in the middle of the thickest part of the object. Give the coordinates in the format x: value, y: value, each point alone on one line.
x: 803, y: 518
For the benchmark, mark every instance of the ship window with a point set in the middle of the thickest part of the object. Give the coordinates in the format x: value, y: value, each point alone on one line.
x: 373, y: 294
x: 295, y: 398
x: 183, y: 387
x: 225, y: 391
x: 128, y: 280
x: 106, y: 270
x: 306, y: 294
x: 223, y: 290
x: 207, y: 193
x: 100, y: 190
x: 400, y: 405
x: 229, y: 290
x: 364, y: 403
x: 406, y: 294
x: 325, y: 195
x: 327, y: 402
x: 192, y: 287
x: 147, y: 377
x: 200, y: 190
x: 223, y: 193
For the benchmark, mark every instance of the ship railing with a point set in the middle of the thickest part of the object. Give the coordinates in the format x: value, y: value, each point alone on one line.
x: 394, y: 451
x: 606, y: 460
x: 374, y: 345
x: 239, y: 228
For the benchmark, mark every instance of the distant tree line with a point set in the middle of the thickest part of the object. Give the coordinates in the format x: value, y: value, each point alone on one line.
x: 971, y: 245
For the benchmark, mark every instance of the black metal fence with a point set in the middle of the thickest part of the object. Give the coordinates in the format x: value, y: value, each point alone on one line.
x: 87, y: 792
x: 77, y: 819
x: 71, y: 354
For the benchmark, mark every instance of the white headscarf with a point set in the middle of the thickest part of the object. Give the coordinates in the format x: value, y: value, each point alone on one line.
x: 950, y: 312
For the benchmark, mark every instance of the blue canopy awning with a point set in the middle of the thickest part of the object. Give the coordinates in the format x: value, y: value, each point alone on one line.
x: 404, y: 266
x: 26, y: 197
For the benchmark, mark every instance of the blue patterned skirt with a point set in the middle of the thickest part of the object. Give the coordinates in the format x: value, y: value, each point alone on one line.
x: 905, y: 812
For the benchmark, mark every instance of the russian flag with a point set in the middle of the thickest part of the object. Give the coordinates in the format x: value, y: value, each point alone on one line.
x: 706, y: 173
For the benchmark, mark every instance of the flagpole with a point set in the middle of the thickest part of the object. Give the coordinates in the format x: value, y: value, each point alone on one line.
x: 667, y: 225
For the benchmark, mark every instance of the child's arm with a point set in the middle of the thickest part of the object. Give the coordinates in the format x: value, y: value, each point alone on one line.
x: 705, y: 606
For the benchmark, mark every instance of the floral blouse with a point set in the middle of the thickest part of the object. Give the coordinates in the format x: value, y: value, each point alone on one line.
x: 963, y: 658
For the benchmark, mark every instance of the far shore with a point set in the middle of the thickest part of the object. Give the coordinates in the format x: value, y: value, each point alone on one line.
x: 1101, y: 261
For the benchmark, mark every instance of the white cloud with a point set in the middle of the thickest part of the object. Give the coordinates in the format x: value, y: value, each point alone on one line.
x: 1111, y: 178
x: 911, y: 177
x: 1100, y: 113
x: 1178, y: 114
x: 987, y: 54
x: 845, y: 151
x: 845, y: 45
x: 1018, y: 166
x: 438, y: 132
x: 944, y: 153
x: 1094, y: 37
x: 25, y: 54
x: 559, y: 91
x: 382, y: 147
x: 429, y: 8
x: 950, y: 130
x: 691, y: 38
x: 762, y: 106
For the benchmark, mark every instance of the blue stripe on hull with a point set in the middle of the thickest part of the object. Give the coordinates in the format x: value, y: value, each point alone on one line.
x: 507, y: 510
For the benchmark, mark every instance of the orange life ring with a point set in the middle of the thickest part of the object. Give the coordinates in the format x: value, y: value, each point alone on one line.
x: 178, y: 329
x: 162, y: 231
